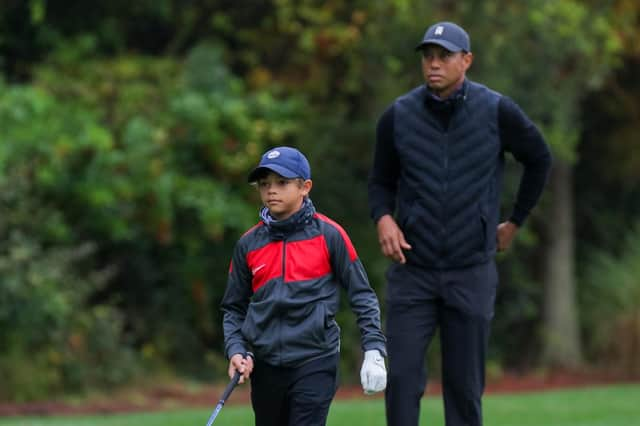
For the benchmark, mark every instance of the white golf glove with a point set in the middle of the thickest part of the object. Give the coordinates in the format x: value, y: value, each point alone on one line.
x: 373, y: 374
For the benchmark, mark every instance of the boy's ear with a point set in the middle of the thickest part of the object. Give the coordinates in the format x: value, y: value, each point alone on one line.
x: 306, y: 186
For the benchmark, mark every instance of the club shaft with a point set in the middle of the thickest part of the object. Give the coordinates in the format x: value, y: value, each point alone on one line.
x: 214, y: 414
x: 223, y: 398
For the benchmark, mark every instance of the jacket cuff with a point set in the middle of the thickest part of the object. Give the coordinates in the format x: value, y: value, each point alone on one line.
x: 377, y: 346
x: 377, y: 213
x: 236, y: 348
x: 518, y: 219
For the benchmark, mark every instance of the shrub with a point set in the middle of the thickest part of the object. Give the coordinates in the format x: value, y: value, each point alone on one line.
x: 610, y: 301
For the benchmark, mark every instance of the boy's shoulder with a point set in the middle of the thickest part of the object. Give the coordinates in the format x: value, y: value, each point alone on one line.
x: 331, y: 226
x: 253, y: 228
x: 328, y: 221
x: 251, y: 233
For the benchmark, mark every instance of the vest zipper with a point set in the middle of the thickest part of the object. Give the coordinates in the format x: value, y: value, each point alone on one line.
x: 445, y: 186
x: 446, y: 162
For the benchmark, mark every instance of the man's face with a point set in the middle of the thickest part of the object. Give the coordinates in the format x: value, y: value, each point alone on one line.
x: 283, y: 197
x: 443, y: 70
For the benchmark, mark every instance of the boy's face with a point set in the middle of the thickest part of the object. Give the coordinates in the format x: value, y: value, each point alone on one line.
x: 283, y: 197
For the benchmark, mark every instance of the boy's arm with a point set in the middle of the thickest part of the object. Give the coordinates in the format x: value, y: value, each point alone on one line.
x: 235, y: 303
x: 363, y: 300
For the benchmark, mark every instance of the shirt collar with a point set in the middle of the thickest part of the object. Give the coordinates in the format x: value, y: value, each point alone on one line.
x: 454, y: 95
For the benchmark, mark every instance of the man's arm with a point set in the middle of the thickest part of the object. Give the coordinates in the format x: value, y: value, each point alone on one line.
x: 520, y: 136
x: 383, y: 183
x: 383, y: 177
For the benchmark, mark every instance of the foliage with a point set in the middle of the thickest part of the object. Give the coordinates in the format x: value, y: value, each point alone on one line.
x: 54, y: 339
x: 562, y: 49
x: 138, y: 123
x: 146, y: 160
x: 610, y: 295
x: 55, y: 342
x: 547, y: 60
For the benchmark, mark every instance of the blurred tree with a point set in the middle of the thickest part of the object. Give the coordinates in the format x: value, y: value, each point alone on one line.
x: 182, y: 96
x: 611, y: 300
x: 569, y: 48
x: 52, y: 338
x: 610, y: 205
x: 170, y: 192
x: 149, y: 164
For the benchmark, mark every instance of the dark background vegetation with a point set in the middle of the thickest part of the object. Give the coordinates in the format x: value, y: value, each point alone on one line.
x: 127, y: 129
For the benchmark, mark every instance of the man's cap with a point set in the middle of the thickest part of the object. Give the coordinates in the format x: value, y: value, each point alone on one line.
x: 448, y: 35
x: 286, y: 161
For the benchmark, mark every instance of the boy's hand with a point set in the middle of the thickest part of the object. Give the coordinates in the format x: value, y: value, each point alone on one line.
x: 243, y: 365
x: 373, y: 374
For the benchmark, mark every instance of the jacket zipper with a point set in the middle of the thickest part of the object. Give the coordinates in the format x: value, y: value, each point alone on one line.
x: 284, y: 256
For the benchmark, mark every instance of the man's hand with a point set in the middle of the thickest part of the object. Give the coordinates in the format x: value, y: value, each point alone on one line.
x: 242, y: 364
x: 506, y: 233
x: 391, y: 239
x: 373, y: 374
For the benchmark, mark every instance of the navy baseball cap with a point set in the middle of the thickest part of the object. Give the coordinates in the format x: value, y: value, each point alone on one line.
x: 285, y: 161
x: 448, y: 35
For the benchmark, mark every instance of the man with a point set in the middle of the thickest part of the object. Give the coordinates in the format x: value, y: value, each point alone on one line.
x: 438, y: 165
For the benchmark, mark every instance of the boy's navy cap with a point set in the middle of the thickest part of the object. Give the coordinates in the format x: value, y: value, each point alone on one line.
x: 448, y: 35
x: 285, y: 161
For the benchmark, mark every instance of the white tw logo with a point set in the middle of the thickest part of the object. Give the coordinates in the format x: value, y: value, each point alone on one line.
x: 439, y: 30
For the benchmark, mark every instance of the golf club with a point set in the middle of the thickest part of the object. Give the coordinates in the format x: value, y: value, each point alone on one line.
x: 223, y: 398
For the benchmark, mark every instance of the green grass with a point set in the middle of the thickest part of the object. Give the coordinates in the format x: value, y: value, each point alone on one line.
x: 598, y: 406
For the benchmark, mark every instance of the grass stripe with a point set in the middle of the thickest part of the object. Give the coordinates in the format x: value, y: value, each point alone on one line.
x: 598, y: 406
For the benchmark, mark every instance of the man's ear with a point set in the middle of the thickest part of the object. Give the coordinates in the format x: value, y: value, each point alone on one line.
x: 468, y: 60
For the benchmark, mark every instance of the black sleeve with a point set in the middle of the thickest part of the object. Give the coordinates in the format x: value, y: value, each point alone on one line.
x: 384, y: 172
x: 235, y: 303
x: 523, y: 140
x: 363, y: 300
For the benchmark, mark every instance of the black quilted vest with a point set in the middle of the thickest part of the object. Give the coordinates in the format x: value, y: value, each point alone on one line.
x: 450, y: 179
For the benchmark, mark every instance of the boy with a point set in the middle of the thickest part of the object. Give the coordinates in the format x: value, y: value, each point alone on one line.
x: 282, y: 297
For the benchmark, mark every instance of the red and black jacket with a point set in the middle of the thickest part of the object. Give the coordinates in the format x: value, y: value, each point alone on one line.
x: 282, y: 294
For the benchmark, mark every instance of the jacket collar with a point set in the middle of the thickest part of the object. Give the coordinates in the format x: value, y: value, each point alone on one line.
x: 279, y: 229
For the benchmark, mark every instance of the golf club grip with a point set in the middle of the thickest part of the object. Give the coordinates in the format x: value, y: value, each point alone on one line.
x: 230, y: 386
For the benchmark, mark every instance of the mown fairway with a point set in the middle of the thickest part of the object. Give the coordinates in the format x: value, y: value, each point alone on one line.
x: 598, y: 406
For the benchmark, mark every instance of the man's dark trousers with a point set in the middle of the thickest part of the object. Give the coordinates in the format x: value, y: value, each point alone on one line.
x: 299, y: 396
x: 460, y: 303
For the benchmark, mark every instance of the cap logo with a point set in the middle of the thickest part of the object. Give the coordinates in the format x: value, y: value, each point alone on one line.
x: 439, y: 30
x: 273, y: 154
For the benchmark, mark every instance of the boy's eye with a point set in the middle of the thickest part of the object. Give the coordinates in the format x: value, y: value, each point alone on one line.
x: 277, y: 182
